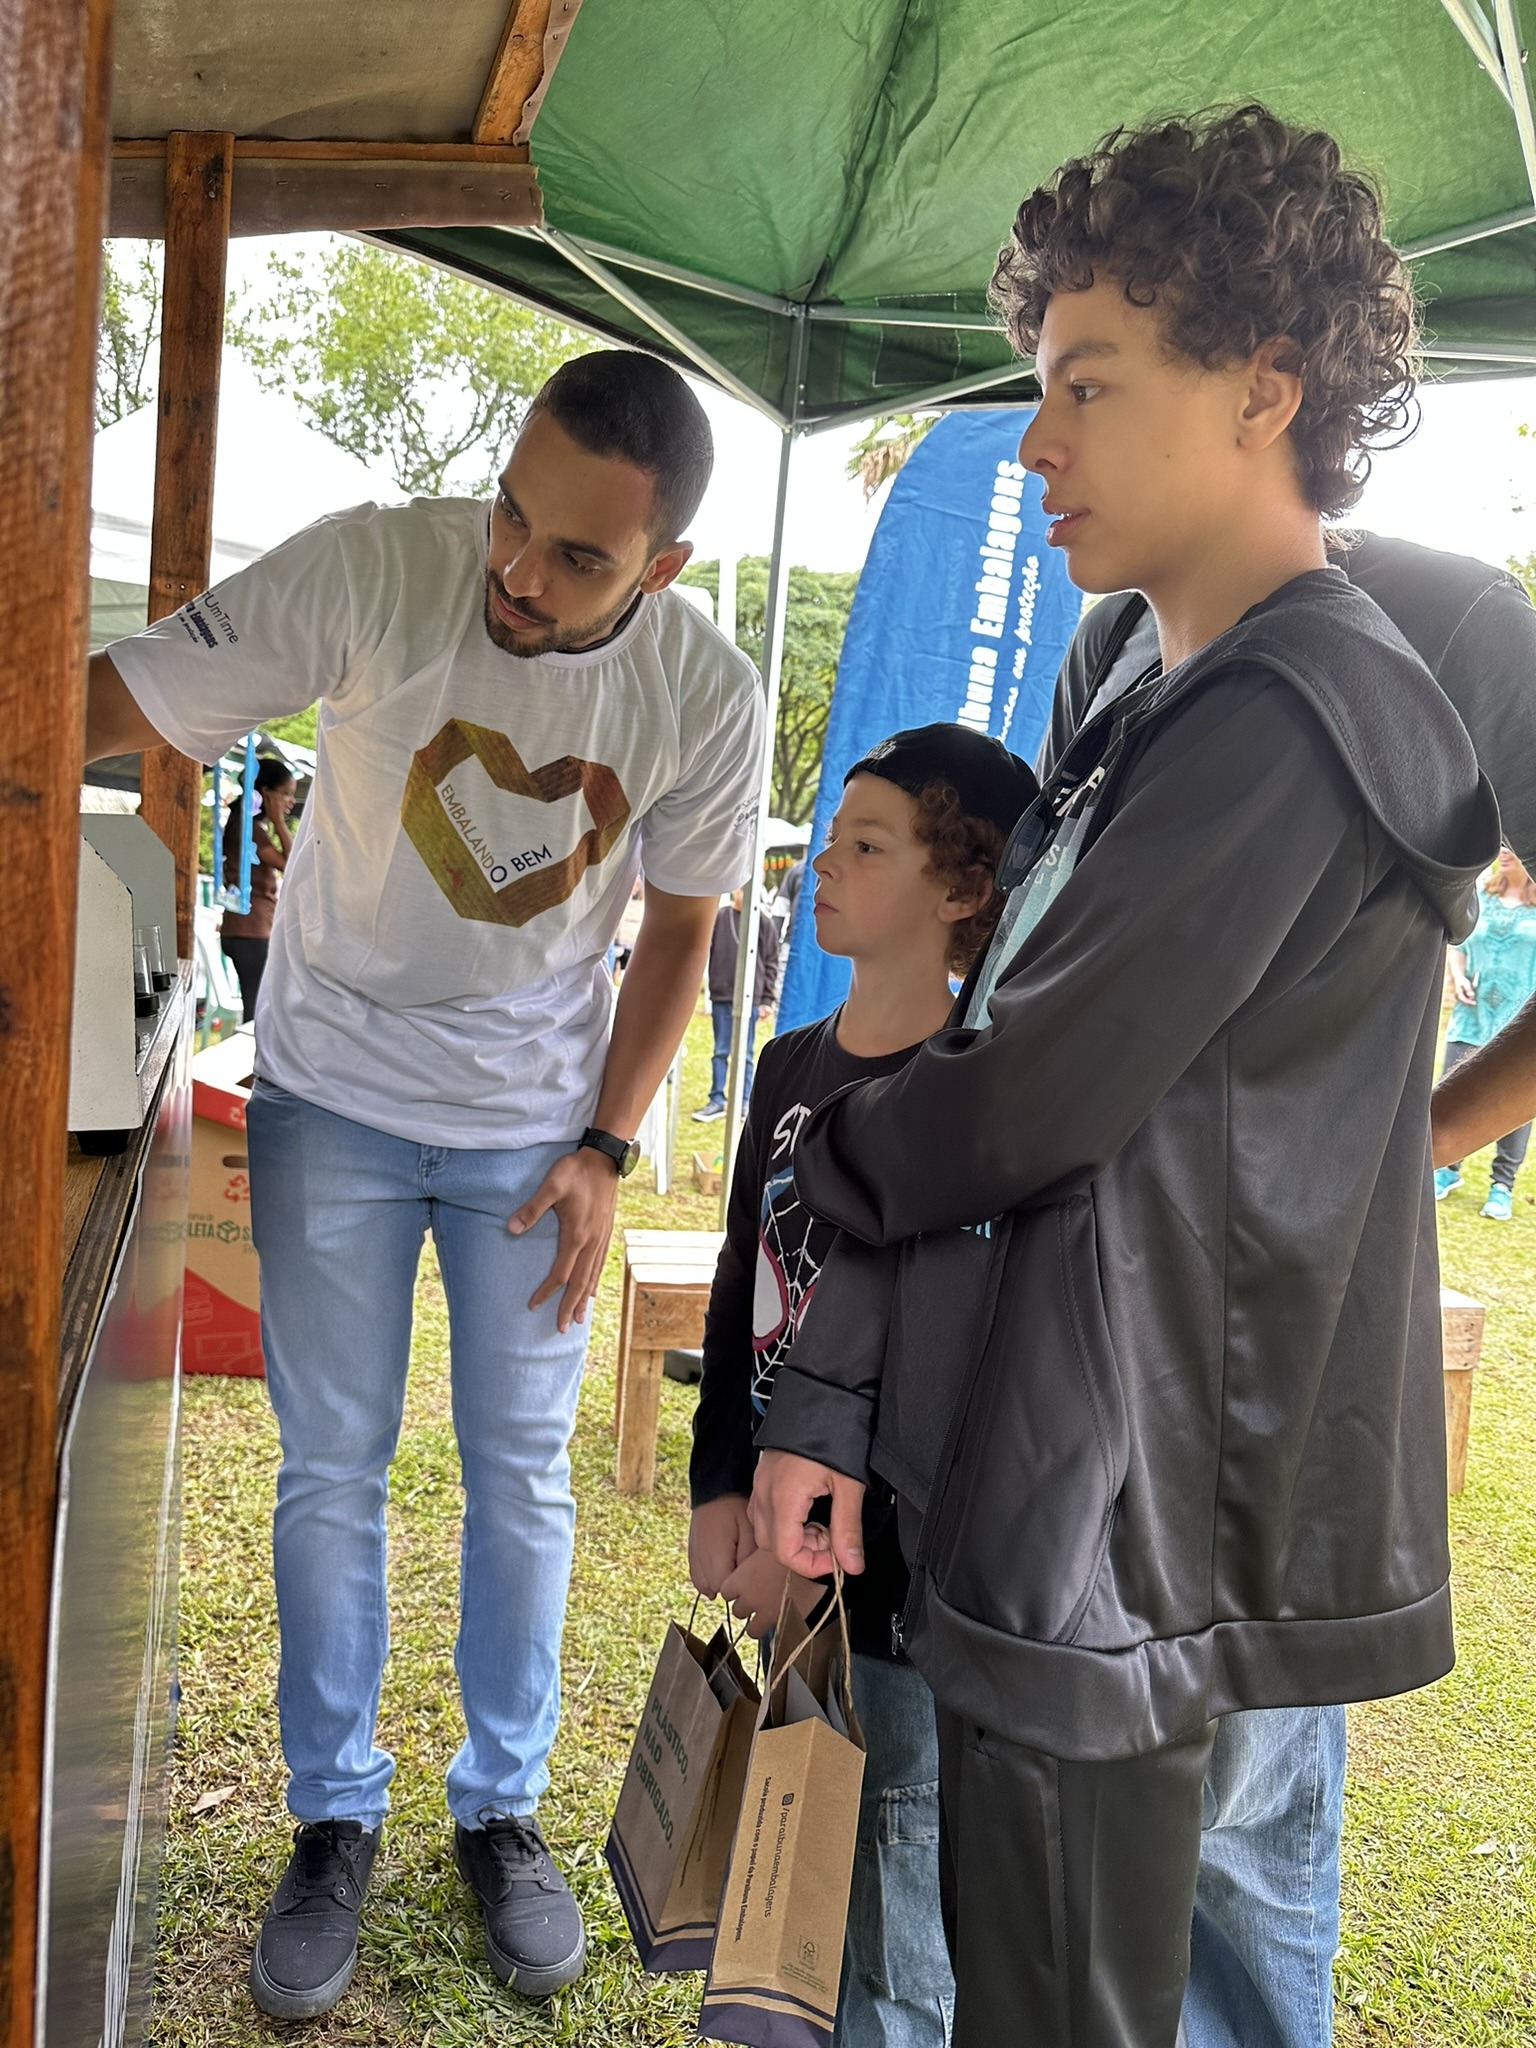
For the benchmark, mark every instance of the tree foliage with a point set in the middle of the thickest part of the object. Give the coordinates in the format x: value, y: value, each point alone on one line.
x: 887, y: 447
x: 815, y: 621
x: 401, y: 364
x: 130, y: 330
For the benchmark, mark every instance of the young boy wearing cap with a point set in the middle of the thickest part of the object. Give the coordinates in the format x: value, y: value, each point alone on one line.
x: 1186, y: 1453
x: 905, y: 891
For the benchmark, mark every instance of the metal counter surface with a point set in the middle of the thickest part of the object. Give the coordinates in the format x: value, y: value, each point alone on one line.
x: 112, y: 1640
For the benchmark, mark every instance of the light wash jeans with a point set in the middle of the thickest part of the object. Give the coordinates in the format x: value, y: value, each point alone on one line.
x: 338, y: 1214
x: 1266, y: 1919
x: 897, y: 1988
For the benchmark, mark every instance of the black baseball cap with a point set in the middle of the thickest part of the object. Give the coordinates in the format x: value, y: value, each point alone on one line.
x: 988, y: 781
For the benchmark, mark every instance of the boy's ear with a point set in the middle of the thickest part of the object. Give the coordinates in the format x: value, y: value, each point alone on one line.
x: 1271, y: 395
x: 960, y: 904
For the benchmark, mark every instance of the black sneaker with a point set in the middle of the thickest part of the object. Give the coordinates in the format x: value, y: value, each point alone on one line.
x: 307, y: 1950
x: 534, y: 1939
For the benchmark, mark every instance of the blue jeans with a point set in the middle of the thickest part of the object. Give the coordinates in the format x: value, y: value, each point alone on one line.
x: 721, y: 1015
x: 338, y: 1214
x: 1266, y: 1919
x: 897, y: 1988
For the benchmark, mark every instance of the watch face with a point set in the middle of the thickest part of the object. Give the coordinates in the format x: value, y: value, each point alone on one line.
x: 630, y: 1159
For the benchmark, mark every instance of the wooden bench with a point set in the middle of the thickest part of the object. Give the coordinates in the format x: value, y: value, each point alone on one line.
x: 667, y: 1278
x: 1461, y: 1338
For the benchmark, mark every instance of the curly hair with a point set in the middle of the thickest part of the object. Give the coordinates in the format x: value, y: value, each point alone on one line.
x: 963, y: 853
x: 1240, y: 229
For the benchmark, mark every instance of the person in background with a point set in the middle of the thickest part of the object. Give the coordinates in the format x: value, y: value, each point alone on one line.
x: 246, y: 935
x: 1492, y: 975
x: 629, y: 929
x: 788, y: 894
x: 905, y: 891
x: 722, y: 998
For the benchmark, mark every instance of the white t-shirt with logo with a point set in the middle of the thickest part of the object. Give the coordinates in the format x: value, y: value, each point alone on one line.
x: 438, y: 963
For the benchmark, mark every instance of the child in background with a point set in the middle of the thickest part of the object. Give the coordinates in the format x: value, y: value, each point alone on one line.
x: 1493, y: 973
x: 904, y: 890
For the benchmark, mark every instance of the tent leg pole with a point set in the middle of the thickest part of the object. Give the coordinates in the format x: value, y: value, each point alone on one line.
x: 55, y: 56
x: 197, y: 186
x: 744, y: 1018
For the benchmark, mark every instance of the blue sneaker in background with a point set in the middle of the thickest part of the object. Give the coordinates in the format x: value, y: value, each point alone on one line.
x: 1446, y: 1178
x: 1500, y: 1205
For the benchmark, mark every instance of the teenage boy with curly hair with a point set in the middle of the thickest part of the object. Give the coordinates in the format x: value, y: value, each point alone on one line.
x: 1178, y: 1448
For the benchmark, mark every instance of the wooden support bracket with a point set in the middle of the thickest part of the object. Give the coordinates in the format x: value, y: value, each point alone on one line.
x: 197, y: 192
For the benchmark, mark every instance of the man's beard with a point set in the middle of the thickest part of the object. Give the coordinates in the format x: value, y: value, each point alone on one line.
x: 553, y: 639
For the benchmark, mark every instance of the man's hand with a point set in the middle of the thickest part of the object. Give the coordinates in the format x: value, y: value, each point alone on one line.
x: 582, y: 1188
x: 1462, y: 989
x: 756, y: 1592
x: 783, y: 1493
x: 719, y: 1537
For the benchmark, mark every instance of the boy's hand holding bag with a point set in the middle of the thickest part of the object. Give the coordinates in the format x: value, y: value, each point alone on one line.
x: 672, y: 1827
x: 778, y: 1949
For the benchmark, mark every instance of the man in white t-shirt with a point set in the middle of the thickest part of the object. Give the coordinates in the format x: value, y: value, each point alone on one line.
x: 517, y: 717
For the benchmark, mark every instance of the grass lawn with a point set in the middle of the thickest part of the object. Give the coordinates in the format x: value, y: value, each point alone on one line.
x: 1439, y: 1940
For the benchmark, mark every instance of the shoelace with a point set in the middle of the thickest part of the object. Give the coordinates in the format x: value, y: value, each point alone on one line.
x: 518, y: 1849
x: 325, y: 1870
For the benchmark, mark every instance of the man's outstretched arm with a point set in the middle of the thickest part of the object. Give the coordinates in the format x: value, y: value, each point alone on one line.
x: 1492, y: 1092
x: 114, y: 724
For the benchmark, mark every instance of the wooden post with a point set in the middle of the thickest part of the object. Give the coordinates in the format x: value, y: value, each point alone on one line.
x: 54, y: 59
x: 197, y: 187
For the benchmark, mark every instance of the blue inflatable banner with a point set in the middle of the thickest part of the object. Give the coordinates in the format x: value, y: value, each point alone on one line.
x: 962, y: 613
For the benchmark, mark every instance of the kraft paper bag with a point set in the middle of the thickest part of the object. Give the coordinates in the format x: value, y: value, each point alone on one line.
x: 777, y: 1959
x: 677, y: 1809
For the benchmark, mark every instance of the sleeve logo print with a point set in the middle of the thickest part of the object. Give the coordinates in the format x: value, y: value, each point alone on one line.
x: 505, y: 842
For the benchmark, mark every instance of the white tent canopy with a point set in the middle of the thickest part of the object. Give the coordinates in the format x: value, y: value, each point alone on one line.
x: 274, y: 474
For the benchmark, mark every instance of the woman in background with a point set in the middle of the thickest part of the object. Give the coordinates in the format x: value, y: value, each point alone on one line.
x: 246, y: 936
x: 1492, y: 975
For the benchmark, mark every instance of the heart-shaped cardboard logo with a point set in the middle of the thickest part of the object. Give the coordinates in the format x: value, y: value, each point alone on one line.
x: 495, y: 869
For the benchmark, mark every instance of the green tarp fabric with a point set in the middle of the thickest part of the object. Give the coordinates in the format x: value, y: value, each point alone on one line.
x: 871, y: 153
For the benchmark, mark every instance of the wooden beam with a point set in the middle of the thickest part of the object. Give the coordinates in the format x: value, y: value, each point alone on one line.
x: 275, y: 193
x: 259, y: 149
x: 197, y: 188
x: 55, y: 60
x: 515, y: 70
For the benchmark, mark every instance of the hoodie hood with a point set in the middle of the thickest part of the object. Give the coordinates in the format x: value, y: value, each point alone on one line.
x: 1395, y: 730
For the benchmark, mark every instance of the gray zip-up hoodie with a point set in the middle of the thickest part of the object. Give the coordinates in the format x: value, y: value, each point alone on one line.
x: 1136, y: 1304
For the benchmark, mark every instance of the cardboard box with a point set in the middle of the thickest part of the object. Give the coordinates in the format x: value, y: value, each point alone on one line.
x: 222, y: 1329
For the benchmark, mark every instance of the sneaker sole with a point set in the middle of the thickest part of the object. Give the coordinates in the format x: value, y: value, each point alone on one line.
x: 280, y: 2004
x: 529, y: 1982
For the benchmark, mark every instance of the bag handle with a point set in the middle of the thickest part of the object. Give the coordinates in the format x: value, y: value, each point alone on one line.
x: 835, y: 1604
x: 733, y: 1640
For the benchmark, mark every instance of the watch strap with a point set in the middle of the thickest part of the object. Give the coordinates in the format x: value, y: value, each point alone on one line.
x: 622, y: 1151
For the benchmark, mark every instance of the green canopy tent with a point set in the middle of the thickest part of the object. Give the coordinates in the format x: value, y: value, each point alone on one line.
x: 804, y: 205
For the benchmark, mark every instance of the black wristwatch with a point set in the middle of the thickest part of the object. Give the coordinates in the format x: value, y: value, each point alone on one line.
x: 625, y: 1153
